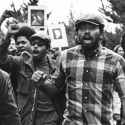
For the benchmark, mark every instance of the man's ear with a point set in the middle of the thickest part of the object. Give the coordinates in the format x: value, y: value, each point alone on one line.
x: 101, y: 36
x: 47, y: 49
x: 76, y: 33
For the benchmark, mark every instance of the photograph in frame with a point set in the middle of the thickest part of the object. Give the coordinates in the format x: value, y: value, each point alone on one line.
x: 58, y: 35
x: 37, y: 17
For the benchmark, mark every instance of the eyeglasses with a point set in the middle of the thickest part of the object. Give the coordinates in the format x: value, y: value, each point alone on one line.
x: 39, y: 44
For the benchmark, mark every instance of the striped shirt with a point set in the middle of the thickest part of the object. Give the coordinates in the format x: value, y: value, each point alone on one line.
x: 90, y: 84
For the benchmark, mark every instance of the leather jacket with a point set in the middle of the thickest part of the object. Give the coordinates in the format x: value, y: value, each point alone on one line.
x: 8, y: 108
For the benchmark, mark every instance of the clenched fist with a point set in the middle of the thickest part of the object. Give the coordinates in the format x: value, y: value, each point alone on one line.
x: 13, y: 29
x: 38, y: 77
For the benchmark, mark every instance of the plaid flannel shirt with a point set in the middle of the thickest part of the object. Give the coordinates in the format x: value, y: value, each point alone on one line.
x: 90, y: 83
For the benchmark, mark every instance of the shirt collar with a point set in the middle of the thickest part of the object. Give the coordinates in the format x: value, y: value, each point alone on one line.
x: 95, y: 53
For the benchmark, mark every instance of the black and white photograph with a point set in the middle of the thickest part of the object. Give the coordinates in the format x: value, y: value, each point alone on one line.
x: 62, y: 62
x: 37, y: 16
x: 57, y: 33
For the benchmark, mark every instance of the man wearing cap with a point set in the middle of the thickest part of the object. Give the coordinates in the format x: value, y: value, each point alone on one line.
x: 90, y: 72
x: 36, y: 107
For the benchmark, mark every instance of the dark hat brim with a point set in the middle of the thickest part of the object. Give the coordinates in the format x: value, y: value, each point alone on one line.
x: 82, y: 21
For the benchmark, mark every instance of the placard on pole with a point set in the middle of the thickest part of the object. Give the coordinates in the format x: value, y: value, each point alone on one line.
x: 58, y: 35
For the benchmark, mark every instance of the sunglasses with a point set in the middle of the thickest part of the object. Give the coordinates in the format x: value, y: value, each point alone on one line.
x: 39, y: 44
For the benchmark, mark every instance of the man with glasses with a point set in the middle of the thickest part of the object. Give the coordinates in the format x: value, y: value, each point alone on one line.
x: 35, y: 106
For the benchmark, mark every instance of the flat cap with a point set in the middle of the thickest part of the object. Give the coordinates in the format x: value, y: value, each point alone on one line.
x: 42, y: 36
x: 90, y: 18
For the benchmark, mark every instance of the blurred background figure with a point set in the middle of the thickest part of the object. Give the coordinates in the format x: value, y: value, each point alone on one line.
x: 118, y: 49
x: 12, y: 47
x: 56, y: 54
x: 117, y: 102
x: 51, y: 53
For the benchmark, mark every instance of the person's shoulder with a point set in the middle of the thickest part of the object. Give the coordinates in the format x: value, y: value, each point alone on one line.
x: 111, y: 53
x: 108, y: 51
x: 20, y: 58
x: 4, y: 82
x: 3, y: 76
x: 75, y: 48
x: 72, y: 49
x: 3, y: 73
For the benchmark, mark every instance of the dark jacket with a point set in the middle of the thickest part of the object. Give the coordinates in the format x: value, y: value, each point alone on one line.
x: 26, y: 92
x: 8, y: 108
x: 123, y: 43
x: 13, y: 76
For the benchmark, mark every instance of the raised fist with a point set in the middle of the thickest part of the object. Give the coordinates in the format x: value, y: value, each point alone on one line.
x: 13, y: 29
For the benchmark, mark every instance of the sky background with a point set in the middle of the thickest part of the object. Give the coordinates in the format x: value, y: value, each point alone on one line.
x: 60, y: 9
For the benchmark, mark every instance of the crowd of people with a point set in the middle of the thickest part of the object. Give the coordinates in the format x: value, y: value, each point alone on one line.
x: 82, y: 85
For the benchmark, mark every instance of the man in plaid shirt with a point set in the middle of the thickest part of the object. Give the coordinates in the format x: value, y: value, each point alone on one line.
x: 90, y: 72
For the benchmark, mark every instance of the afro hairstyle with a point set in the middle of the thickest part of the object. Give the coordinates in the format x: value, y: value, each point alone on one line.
x: 25, y: 31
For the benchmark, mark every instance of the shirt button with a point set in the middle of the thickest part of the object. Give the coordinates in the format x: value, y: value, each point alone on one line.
x: 85, y: 97
x: 87, y: 71
x: 85, y: 110
x: 86, y: 84
x: 32, y: 109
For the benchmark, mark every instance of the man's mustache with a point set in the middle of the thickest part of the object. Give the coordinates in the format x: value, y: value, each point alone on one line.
x: 87, y: 36
x: 35, y: 51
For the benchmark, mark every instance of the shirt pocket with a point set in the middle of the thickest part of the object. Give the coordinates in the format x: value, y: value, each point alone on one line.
x: 23, y: 88
x: 24, y: 82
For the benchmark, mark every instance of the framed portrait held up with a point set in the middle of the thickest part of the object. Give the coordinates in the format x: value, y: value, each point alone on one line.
x: 58, y: 35
x: 37, y: 17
